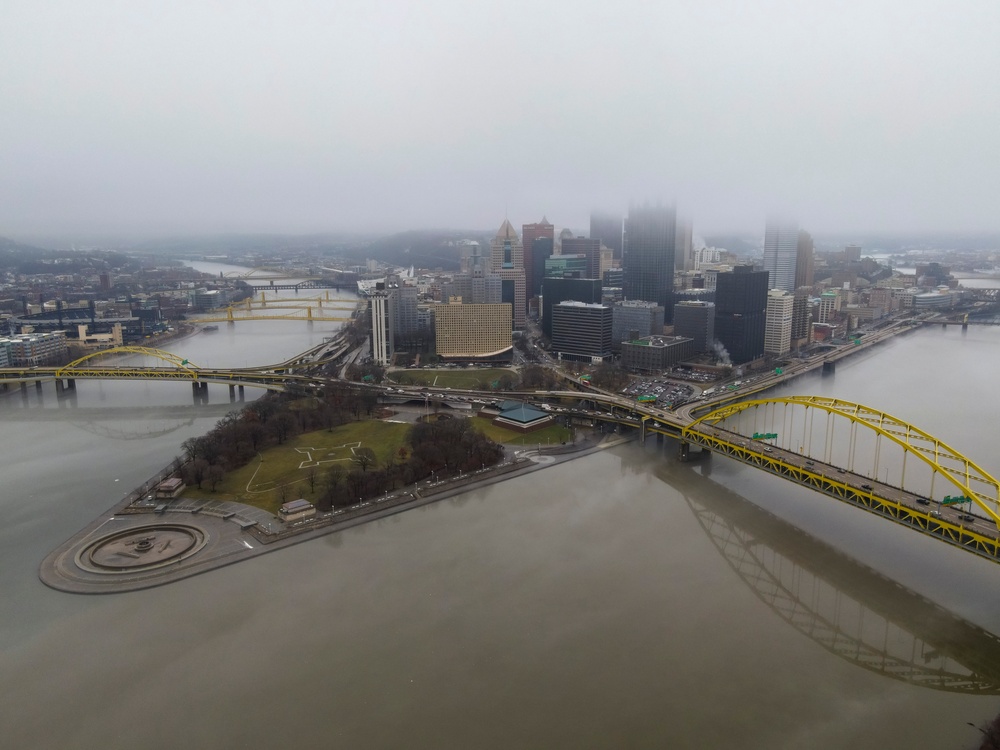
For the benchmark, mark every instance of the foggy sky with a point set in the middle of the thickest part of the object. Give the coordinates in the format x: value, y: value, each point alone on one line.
x: 301, y: 116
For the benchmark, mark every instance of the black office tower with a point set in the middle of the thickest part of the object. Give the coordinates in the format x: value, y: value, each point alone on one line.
x: 741, y: 312
x: 555, y: 291
x: 648, y: 260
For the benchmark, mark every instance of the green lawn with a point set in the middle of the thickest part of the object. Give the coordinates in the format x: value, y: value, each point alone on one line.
x: 475, y: 377
x: 289, y: 466
x: 551, y: 435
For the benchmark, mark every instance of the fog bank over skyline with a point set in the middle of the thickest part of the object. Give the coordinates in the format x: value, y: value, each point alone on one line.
x: 379, y: 115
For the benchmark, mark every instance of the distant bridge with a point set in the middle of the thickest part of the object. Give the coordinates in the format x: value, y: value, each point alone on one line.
x: 310, y: 309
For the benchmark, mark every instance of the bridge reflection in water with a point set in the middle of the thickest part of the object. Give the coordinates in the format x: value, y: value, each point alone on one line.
x: 847, y: 608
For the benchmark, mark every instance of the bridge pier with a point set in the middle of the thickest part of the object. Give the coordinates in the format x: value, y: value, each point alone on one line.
x: 829, y: 368
x: 242, y: 395
x: 199, y: 392
x: 683, y: 451
x: 232, y: 394
x: 24, y: 392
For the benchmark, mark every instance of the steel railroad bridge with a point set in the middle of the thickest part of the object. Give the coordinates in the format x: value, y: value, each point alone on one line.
x: 853, y: 453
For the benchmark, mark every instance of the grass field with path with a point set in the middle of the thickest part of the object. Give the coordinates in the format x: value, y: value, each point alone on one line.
x: 289, y: 466
x: 259, y: 483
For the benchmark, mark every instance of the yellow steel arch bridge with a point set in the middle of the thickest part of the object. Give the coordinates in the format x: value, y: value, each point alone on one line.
x: 914, y: 478
x: 95, y: 366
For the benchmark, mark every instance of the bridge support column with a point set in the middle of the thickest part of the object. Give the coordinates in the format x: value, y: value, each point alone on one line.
x: 232, y: 394
x: 59, y: 388
x: 683, y: 451
x: 829, y: 368
x: 38, y: 385
x: 242, y: 395
x: 71, y: 384
x: 204, y: 393
x: 24, y: 391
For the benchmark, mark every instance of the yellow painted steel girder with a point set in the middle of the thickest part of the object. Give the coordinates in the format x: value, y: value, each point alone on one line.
x: 234, y: 314
x: 955, y: 467
x: 319, y: 300
x: 73, y: 367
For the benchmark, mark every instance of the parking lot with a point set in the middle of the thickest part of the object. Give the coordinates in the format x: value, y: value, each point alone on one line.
x: 666, y: 392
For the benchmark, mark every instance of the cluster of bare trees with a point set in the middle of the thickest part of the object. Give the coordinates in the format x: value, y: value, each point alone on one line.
x: 539, y: 378
x: 240, y: 436
x: 439, y: 449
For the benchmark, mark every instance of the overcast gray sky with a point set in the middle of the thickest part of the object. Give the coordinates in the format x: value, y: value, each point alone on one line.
x: 383, y: 114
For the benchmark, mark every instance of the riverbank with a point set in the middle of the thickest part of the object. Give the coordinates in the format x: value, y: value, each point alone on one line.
x: 133, y: 547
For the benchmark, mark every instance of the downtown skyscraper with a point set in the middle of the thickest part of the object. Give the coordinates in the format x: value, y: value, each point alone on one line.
x: 741, y: 312
x: 507, y: 262
x: 648, y: 257
x: 544, y: 231
x: 781, y: 247
x: 607, y: 227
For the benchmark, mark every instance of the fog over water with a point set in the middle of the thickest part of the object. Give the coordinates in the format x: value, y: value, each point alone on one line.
x: 386, y: 115
x: 592, y: 604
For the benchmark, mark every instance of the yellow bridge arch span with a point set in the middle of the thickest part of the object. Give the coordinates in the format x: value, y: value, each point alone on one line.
x: 966, y: 476
x: 74, y: 367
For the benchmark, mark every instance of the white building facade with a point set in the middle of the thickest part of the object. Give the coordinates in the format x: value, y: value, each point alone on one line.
x: 778, y: 328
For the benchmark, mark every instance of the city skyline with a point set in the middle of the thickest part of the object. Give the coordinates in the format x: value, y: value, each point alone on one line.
x: 228, y: 118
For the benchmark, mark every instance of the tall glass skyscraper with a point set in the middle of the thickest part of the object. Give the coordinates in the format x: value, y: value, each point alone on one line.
x: 648, y: 258
x: 530, y: 234
x: 781, y: 247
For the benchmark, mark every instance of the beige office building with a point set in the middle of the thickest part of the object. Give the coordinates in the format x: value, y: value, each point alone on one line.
x: 471, y: 332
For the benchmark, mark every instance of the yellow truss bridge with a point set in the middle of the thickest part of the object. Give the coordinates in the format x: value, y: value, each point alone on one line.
x: 308, y: 309
x: 913, y: 477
